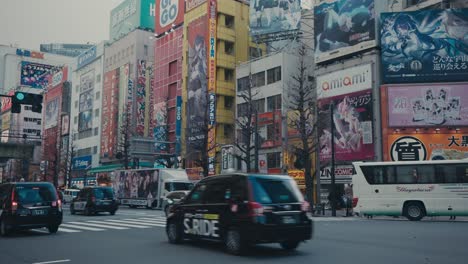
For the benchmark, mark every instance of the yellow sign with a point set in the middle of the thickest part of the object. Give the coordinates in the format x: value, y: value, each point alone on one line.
x: 298, y: 176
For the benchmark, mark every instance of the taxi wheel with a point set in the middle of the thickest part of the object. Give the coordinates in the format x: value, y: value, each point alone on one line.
x: 174, y: 233
x: 289, y: 245
x: 233, y: 242
x: 112, y: 212
x: 4, y: 229
x: 53, y: 229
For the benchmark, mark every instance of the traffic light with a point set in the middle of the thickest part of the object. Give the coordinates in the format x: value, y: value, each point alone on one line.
x: 21, y: 98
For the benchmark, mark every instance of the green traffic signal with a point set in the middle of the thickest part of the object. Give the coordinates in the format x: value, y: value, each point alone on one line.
x: 19, y: 96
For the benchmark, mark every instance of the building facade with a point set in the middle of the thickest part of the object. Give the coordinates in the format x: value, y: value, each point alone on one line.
x: 69, y: 50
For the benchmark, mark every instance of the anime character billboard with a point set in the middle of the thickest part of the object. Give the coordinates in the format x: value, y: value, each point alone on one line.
x: 427, y: 105
x: 51, y: 113
x: 343, y: 27
x: 352, y: 118
x: 273, y: 16
x: 424, y: 46
x: 197, y: 79
x: 35, y: 75
x: 136, y: 184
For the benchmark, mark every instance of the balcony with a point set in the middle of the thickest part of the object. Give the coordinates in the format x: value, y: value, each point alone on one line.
x: 226, y: 33
x: 224, y: 116
x: 225, y: 60
x: 226, y: 88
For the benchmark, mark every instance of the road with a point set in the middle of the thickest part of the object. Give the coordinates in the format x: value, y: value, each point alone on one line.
x: 137, y: 236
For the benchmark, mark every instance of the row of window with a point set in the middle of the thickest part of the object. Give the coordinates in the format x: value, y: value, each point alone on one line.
x: 86, y: 151
x: 258, y: 79
x: 273, y: 103
x: 33, y: 120
x: 122, y: 54
x: 416, y: 174
x: 86, y: 134
x: 36, y: 132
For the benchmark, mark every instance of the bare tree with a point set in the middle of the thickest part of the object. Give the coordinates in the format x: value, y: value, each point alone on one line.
x: 302, y: 103
x: 246, y: 120
x: 125, y: 136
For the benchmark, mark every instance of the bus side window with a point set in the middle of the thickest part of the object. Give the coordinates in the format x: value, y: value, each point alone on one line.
x: 461, y: 173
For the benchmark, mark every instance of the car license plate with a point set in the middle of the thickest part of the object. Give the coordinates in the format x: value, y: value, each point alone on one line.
x: 105, y: 203
x: 289, y: 220
x: 38, y: 212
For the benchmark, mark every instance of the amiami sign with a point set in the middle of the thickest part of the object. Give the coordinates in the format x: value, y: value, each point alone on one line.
x: 345, y: 81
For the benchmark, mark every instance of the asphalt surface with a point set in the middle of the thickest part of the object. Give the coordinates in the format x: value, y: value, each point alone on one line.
x: 336, y: 240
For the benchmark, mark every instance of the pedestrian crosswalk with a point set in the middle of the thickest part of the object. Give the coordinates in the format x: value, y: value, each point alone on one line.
x: 109, y: 224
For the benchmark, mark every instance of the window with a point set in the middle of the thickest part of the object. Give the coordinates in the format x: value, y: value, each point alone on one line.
x: 259, y: 105
x: 274, y: 160
x: 228, y: 130
x: 243, y: 84
x: 76, y: 104
x: 274, y: 75
x: 216, y: 191
x: 172, y: 68
x: 229, y: 21
x: 254, y: 52
x: 75, y: 120
x: 95, y: 149
x: 28, y: 107
x: 272, y: 132
x: 98, y: 78
x: 229, y: 47
x: 98, y: 95
x: 172, y: 90
x: 242, y: 109
x: 228, y: 102
x: 196, y: 195
x: 275, y: 191
x: 274, y: 103
x: 258, y: 79
x: 145, y: 49
x: 77, y: 88
x: 228, y: 75
x: 96, y: 131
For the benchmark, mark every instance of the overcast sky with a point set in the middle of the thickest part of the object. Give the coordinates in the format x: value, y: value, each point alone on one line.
x: 29, y: 23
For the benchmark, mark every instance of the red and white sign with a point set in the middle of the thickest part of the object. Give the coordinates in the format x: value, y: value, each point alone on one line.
x: 170, y: 13
x: 351, y: 80
x: 262, y: 163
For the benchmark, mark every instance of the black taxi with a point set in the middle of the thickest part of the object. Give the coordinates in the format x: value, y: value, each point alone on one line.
x: 241, y: 210
x: 92, y: 200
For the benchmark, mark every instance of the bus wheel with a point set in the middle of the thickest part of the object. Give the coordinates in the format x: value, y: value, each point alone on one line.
x: 414, y: 211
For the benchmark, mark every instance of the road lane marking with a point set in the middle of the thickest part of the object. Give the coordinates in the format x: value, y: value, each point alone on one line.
x: 126, y: 224
x: 142, y: 223
x: 98, y: 225
x: 148, y: 221
x: 82, y: 227
x: 66, y: 230
x: 53, y: 261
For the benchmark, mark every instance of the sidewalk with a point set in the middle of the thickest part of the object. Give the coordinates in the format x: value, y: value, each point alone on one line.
x: 328, y: 213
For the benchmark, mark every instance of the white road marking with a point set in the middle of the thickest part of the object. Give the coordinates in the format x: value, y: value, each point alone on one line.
x: 98, y: 225
x: 53, y: 261
x: 136, y: 223
x: 148, y: 221
x: 66, y: 230
x: 126, y: 224
x: 82, y: 227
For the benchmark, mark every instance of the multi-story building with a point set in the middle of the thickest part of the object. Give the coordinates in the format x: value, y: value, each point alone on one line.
x: 26, y: 71
x: 69, y: 50
x: 86, y: 108
x: 215, y: 39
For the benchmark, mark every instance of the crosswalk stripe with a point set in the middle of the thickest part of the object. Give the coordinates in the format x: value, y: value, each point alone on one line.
x: 148, y: 221
x: 66, y: 230
x: 124, y: 223
x: 131, y: 221
x: 40, y: 230
x: 82, y: 227
x: 98, y: 225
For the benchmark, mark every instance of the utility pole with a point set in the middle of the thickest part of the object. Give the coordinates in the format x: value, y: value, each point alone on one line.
x: 332, y: 191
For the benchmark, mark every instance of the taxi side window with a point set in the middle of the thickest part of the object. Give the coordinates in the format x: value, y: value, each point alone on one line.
x: 216, y: 191
x: 238, y: 189
x: 196, y: 195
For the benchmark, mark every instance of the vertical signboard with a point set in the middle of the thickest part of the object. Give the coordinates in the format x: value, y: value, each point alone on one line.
x: 424, y: 46
x: 169, y: 12
x: 148, y: 98
x: 160, y: 131
x: 51, y: 113
x: 124, y: 86
x: 141, y: 98
x: 86, y: 57
x: 109, y: 116
x: 86, y: 99
x: 352, y: 118
x: 270, y: 16
x: 148, y: 14
x: 197, y: 79
x: 178, y: 129
x: 342, y: 27
x: 212, y: 15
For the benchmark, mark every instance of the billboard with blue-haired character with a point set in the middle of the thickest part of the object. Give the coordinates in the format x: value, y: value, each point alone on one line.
x: 424, y: 46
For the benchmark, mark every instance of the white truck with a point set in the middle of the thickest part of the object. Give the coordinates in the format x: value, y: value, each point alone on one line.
x: 148, y: 187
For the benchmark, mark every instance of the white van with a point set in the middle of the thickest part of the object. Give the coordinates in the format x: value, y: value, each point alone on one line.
x: 69, y: 195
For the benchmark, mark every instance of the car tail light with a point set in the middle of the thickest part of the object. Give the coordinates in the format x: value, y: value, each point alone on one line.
x: 355, y: 201
x: 305, y: 206
x: 93, y: 199
x: 255, y: 209
x: 14, y: 203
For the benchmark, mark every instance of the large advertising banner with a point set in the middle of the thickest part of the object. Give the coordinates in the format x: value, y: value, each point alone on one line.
x: 125, y: 84
x: 87, y: 81
x: 427, y: 105
x: 51, y: 113
x: 350, y: 80
x: 352, y: 117
x: 149, y: 100
x: 424, y: 46
x: 110, y: 98
x: 197, y: 84
x: 414, y: 147
x: 136, y: 184
x: 212, y: 11
x: 273, y: 16
x: 85, y: 121
x: 86, y: 100
x: 160, y: 131
x: 35, y: 75
x: 86, y: 57
x: 342, y: 27
x: 169, y: 12
x: 124, y: 18
x: 147, y: 14
x: 141, y: 98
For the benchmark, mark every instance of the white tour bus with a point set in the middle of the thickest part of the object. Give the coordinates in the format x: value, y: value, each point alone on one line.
x: 413, y: 189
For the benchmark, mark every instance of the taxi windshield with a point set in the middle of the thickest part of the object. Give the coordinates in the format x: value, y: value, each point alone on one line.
x: 275, y: 191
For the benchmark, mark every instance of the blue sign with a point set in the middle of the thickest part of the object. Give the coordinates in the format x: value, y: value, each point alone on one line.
x: 178, y: 128
x: 212, y: 109
x: 86, y: 57
x: 82, y: 163
x: 424, y: 46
